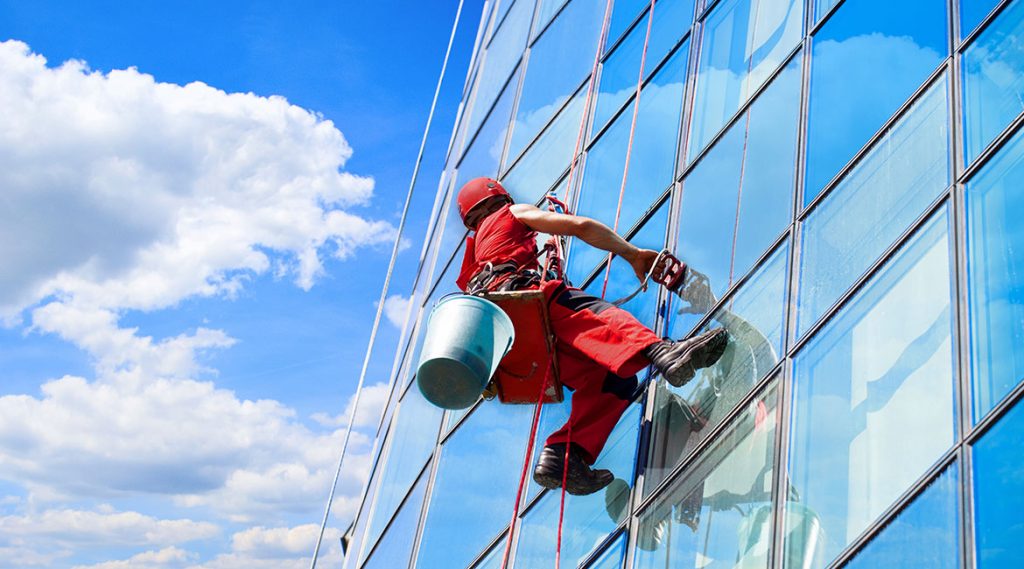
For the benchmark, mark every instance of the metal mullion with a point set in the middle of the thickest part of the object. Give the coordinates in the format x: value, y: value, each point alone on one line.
x: 995, y: 414
x: 709, y: 5
x: 898, y: 506
x: 602, y: 547
x: 968, y: 550
x: 625, y: 33
x: 935, y: 76
x: 428, y: 495
x: 993, y: 148
x: 709, y: 440
x: 780, y: 464
x: 696, y: 38
x: 391, y: 520
x: 488, y: 549
x: 531, y: 38
x: 506, y: 146
x: 448, y: 432
x: 799, y: 181
x: 824, y: 17
x: 481, y: 32
x: 932, y: 209
x: 985, y: 23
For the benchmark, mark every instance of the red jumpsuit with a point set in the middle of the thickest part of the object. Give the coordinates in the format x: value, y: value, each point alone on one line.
x: 599, y: 346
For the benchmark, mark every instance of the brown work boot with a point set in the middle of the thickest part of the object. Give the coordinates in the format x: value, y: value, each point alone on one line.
x: 580, y: 480
x: 679, y: 361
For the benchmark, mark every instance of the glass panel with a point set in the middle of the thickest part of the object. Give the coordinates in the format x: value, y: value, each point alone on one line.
x: 924, y: 535
x: 744, y: 41
x: 821, y: 7
x: 415, y: 434
x: 993, y: 80
x: 359, y: 532
x: 624, y: 13
x: 619, y: 72
x: 652, y: 161
x: 747, y: 178
x: 562, y: 57
x: 972, y: 12
x: 874, y: 204
x: 396, y: 546
x: 718, y: 514
x: 684, y: 416
x: 999, y: 492
x: 861, y: 435
x: 475, y: 485
x: 612, y: 557
x: 547, y: 10
x: 880, y: 50
x: 588, y: 519
x: 995, y: 276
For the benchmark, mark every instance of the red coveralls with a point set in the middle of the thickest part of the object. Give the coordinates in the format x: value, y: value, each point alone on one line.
x: 599, y: 346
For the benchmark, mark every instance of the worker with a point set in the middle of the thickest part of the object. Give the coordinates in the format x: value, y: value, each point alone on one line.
x: 600, y: 348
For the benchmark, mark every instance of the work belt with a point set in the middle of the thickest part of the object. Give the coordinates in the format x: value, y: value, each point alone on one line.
x: 503, y: 277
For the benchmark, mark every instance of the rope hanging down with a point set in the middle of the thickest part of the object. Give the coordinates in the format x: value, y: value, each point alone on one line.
x: 387, y: 283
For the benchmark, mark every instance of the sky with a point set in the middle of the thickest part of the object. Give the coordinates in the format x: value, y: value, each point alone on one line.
x: 199, y: 201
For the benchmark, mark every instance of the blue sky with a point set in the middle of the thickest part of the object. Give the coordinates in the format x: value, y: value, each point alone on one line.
x: 190, y: 261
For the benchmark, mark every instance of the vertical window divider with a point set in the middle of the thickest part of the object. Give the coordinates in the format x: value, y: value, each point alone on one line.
x: 780, y: 465
x: 966, y: 500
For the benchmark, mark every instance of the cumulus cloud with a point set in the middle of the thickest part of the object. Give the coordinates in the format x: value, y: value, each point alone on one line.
x: 396, y: 308
x: 66, y: 526
x: 166, y: 558
x: 371, y: 405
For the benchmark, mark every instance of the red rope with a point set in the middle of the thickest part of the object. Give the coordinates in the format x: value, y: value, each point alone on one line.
x: 629, y: 147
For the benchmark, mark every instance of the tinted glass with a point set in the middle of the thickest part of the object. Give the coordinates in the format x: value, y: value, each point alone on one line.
x: 860, y: 434
x: 972, y: 12
x: 562, y: 57
x: 624, y: 13
x: 880, y: 197
x: 881, y: 50
x: 995, y: 268
x: 475, y: 485
x: 747, y: 178
x: 821, y: 7
x: 993, y: 72
x: 923, y: 535
x: 494, y: 557
x: 718, y: 513
x: 612, y: 557
x: 684, y: 416
x: 744, y: 41
x: 999, y: 492
x: 547, y: 10
x: 395, y: 547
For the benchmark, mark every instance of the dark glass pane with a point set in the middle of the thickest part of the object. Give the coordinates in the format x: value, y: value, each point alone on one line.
x: 652, y: 162
x: 612, y: 557
x: 747, y: 178
x: 924, y: 535
x: 993, y: 68
x: 861, y: 435
x: 395, y: 547
x: 718, y: 513
x: 999, y: 492
x: 995, y: 268
x: 881, y: 50
x: 562, y: 57
x: 684, y: 416
x: 744, y: 41
x: 500, y: 58
x: 624, y: 13
x: 869, y: 209
x: 475, y: 486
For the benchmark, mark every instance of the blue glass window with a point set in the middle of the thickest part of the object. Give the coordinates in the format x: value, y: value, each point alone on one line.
x: 612, y: 557
x: 881, y: 50
x: 861, y: 435
x: 559, y: 61
x: 652, y: 162
x: 972, y: 12
x: 547, y: 10
x: 879, y: 198
x: 395, y: 546
x: 821, y: 7
x: 624, y: 13
x: 684, y: 416
x: 493, y: 559
x: 475, y: 486
x: 924, y: 535
x: 746, y: 178
x: 718, y: 513
x: 999, y: 492
x: 744, y: 41
x: 995, y: 268
x: 993, y: 71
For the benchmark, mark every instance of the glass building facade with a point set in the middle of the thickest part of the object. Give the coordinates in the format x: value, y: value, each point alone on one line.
x: 843, y: 176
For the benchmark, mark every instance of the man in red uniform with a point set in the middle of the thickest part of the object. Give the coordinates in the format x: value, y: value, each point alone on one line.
x: 600, y: 347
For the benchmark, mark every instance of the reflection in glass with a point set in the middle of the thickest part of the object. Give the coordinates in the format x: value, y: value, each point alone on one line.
x: 395, y: 546
x: 652, y: 161
x: 995, y: 268
x: 612, y: 557
x: 718, y: 513
x: 972, y: 12
x: 475, y: 485
x: 821, y: 7
x: 562, y: 57
x: 879, y: 49
x: 747, y: 177
x: 744, y: 42
x: 624, y: 13
x: 861, y: 433
x: 359, y: 532
x: 494, y: 557
x: 684, y: 416
x: 999, y: 492
x: 923, y: 535
x: 547, y: 10
x: 880, y: 197
x: 993, y: 68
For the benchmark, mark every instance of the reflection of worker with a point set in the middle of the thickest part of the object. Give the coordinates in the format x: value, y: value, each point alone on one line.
x: 600, y: 347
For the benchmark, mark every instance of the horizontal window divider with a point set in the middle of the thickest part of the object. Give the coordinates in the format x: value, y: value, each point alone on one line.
x: 995, y: 414
x: 534, y: 37
x: 604, y: 546
x: 424, y: 471
x: 865, y: 149
x: 469, y: 413
x: 714, y: 436
x: 825, y: 17
x: 740, y: 112
x: 937, y: 204
x: 897, y: 507
x: 980, y: 28
x: 496, y: 542
x: 993, y: 148
x: 709, y: 5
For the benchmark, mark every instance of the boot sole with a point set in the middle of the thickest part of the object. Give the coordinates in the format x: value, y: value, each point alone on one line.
x: 552, y: 480
x: 701, y: 355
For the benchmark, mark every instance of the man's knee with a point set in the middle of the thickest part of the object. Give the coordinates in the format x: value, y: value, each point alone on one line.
x: 624, y: 388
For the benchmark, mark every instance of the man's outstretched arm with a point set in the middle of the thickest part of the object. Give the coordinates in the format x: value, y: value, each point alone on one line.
x: 591, y: 231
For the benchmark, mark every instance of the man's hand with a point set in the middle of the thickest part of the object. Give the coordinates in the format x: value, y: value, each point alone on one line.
x: 642, y: 261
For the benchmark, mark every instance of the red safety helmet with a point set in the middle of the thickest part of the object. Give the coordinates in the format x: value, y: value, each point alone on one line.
x: 477, y: 191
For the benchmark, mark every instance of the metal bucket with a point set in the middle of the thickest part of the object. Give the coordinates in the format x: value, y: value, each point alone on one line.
x: 466, y: 338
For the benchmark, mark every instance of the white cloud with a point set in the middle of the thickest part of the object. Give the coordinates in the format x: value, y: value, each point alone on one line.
x: 371, y: 405
x: 396, y: 308
x: 66, y: 526
x: 166, y: 558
